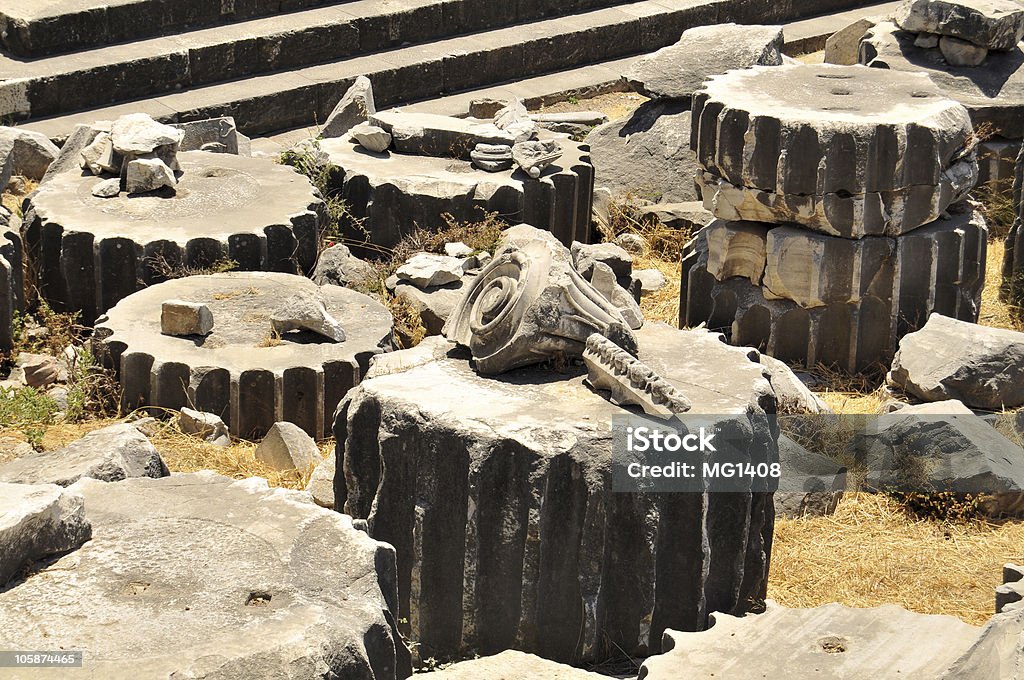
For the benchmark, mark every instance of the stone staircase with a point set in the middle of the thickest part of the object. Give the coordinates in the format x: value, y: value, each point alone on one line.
x: 278, y: 64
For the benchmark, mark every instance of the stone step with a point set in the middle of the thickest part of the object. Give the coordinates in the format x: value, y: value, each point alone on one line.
x: 60, y: 84
x: 35, y: 28
x: 809, y: 35
x: 301, y: 96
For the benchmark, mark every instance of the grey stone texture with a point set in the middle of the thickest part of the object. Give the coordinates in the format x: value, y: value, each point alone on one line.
x: 355, y: 107
x: 425, y: 270
x: 287, y: 447
x: 338, y: 266
x: 615, y: 256
x: 12, y: 276
x: 430, y: 134
x: 148, y: 174
x: 389, y: 197
x: 321, y: 483
x: 90, y: 252
x: 29, y: 153
x: 535, y: 156
x: 1012, y: 287
x: 433, y: 303
x: 833, y: 641
x: 647, y: 154
x: 993, y: 93
x: 831, y: 300
x: 842, y: 150
x: 371, y: 137
x: 239, y: 372
x: 951, y: 359
x: 209, y: 427
x: 496, y: 495
x: 36, y: 521
x: 792, y: 395
x: 677, y: 71
x: 996, y: 653
x: 811, y: 484
x: 197, y: 575
x: 220, y: 133
x: 110, y: 454
x: 843, y: 47
x: 306, y: 310
x: 959, y: 52
x: 529, y: 304
x: 993, y: 24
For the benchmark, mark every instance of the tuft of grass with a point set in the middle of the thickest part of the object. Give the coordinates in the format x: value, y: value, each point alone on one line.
x: 995, y: 312
x: 996, y: 204
x: 28, y: 411
x: 161, y: 268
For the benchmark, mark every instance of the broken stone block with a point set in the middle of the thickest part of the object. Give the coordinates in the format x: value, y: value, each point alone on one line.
x: 426, y: 270
x: 206, y: 426
x: 811, y: 484
x: 628, y: 381
x: 31, y: 153
x: 203, y: 135
x: 148, y: 174
x: 792, y: 395
x: 321, y: 483
x: 485, y: 107
x: 534, y: 157
x: 99, y: 156
x: 137, y: 134
x: 110, y: 454
x: 513, y: 665
x: 371, y: 137
x: 959, y: 52
x: 950, y: 359
x: 651, y: 280
x: 634, y: 244
x: 839, y: 167
x: 434, y: 304
x: 736, y: 249
x: 36, y: 521
x: 197, y: 575
x: 429, y: 134
x: 338, y: 266
x: 457, y: 249
x: 994, y: 24
x: 492, y: 157
x: 843, y: 46
x: 178, y: 317
x: 611, y: 254
x: 507, y: 469
x: 833, y: 641
x: 514, y: 119
x: 287, y: 447
x: 603, y: 279
x: 355, y: 107
x: 677, y: 71
x: 530, y: 304
x: 108, y: 188
x: 38, y: 370
x: 70, y: 156
x: 307, y: 312
x: 927, y: 41
x: 688, y: 217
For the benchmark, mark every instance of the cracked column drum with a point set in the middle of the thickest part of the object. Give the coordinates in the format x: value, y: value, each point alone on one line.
x: 834, y: 301
x: 240, y: 371
x: 1013, y: 258
x: 842, y: 150
x: 88, y: 253
x: 497, y: 495
x: 391, y: 194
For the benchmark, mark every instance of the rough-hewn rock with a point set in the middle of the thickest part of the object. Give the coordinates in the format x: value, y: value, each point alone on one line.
x: 647, y: 154
x: 843, y: 47
x: 677, y: 71
x: 36, y: 521
x: 951, y: 359
x: 833, y: 641
x: 31, y: 153
x: 110, y: 454
x: 496, y: 493
x: 209, y: 134
x: 197, y: 575
x: 148, y: 174
x: 321, y: 483
x: 338, y: 266
x: 429, y: 134
x: 811, y: 484
x: 615, y: 256
x: 240, y: 372
x: 91, y: 252
x: 370, y: 137
x: 995, y: 24
x: 792, y: 395
x: 306, y: 310
x: 178, y: 317
x: 287, y: 447
x: 959, y: 52
x: 207, y: 426
x: 434, y: 304
x: 842, y: 150
x: 355, y: 107
x: 425, y: 270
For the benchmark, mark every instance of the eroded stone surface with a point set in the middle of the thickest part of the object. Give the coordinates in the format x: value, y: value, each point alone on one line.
x: 287, y: 447
x: 811, y: 484
x: 240, y: 371
x: 994, y: 24
x: 197, y: 575
x: 354, y: 107
x: 36, y: 521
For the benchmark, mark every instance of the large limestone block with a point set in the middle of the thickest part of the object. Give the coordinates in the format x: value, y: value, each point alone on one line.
x: 843, y: 47
x: 950, y: 359
x: 842, y: 150
x: 647, y: 154
x: 993, y: 93
x: 31, y: 153
x: 197, y: 575
x: 496, y: 493
x: 995, y: 24
x: 430, y: 134
x: 36, y: 521
x: 354, y: 107
x: 110, y: 454
x: 737, y: 249
x: 831, y: 641
x: 677, y: 71
x: 12, y: 286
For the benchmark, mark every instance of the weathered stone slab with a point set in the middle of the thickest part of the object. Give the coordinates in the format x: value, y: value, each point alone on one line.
x: 425, y: 270
x: 996, y: 650
x: 209, y: 427
x: 843, y: 47
x: 434, y: 304
x: 842, y: 150
x: 429, y: 134
x: 212, y: 134
x: 338, y: 266
x: 355, y: 107
x: 677, y: 71
x: 949, y: 359
x: 110, y: 454
x: 287, y: 447
x: 792, y: 395
x: 994, y: 24
x: 178, y: 317
x: 31, y: 153
x: 321, y: 483
x: 36, y: 521
x: 497, y: 491
x: 831, y: 641
x: 736, y: 249
x: 12, y: 271
x: 199, y: 575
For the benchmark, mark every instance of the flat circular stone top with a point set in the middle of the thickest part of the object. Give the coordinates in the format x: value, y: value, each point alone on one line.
x: 830, y: 94
x: 218, y: 195
x: 242, y: 304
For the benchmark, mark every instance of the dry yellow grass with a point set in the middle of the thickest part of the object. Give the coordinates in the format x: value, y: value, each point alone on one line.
x: 662, y: 305
x: 871, y: 553
x: 12, y: 200
x: 995, y: 312
x: 615, y: 105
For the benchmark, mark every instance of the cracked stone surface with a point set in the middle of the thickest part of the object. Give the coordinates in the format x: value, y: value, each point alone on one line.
x: 91, y: 252
x: 239, y: 372
x: 395, y: 193
x: 197, y: 575
x: 993, y: 24
x: 36, y: 521
x: 497, y: 491
x: 843, y: 150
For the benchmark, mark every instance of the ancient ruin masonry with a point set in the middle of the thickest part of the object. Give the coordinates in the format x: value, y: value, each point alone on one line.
x: 1012, y: 290
x: 841, y: 222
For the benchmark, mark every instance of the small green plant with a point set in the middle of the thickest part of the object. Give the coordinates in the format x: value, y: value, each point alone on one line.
x: 91, y: 388
x: 28, y: 410
x: 573, y: 99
